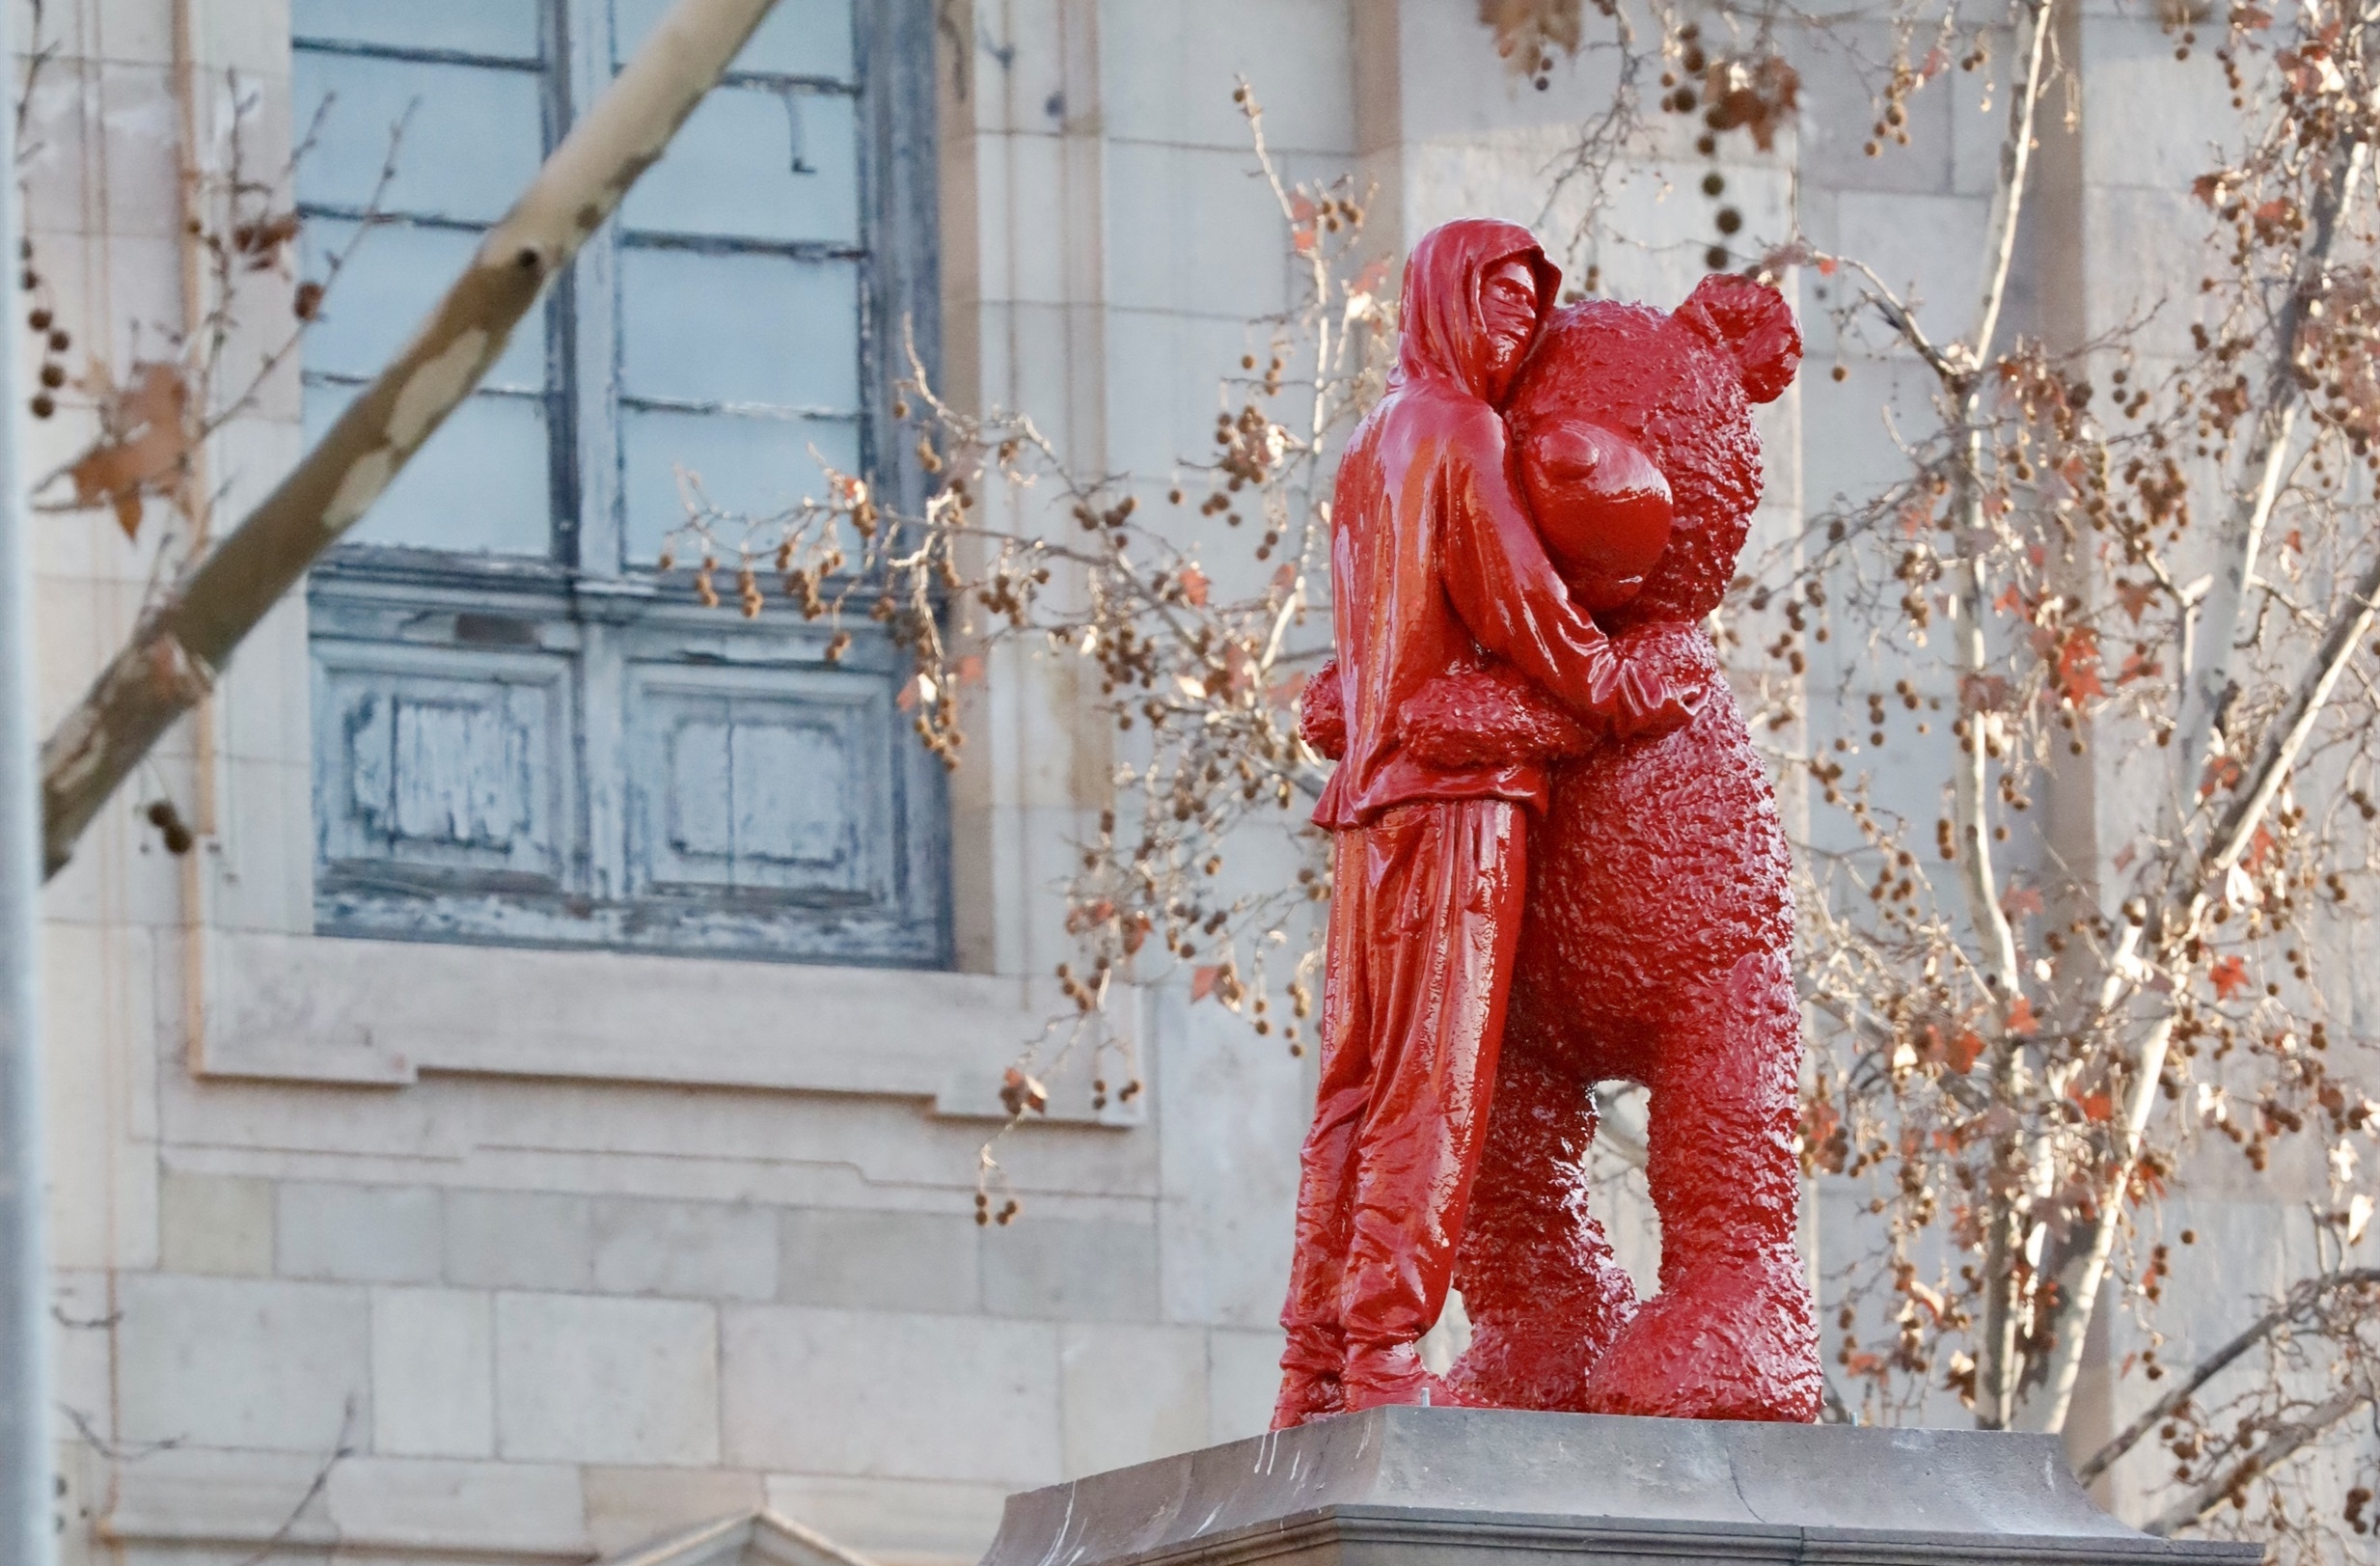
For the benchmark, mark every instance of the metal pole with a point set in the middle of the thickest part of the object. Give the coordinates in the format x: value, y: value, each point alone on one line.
x: 28, y: 1509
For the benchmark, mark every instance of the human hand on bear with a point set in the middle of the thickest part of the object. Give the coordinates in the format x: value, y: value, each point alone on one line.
x: 1666, y: 669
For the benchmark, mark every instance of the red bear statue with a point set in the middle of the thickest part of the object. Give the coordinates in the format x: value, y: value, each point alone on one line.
x: 1656, y: 940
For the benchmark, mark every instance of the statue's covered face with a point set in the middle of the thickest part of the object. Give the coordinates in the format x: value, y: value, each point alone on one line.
x: 1602, y: 506
x: 1508, y: 312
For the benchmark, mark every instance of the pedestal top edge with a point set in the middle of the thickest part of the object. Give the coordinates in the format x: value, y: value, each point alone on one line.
x: 1482, y: 1471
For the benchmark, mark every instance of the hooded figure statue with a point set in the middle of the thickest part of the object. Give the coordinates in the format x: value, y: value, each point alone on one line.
x: 1437, y: 569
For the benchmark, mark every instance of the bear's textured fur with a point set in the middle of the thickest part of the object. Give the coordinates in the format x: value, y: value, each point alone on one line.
x: 1657, y: 946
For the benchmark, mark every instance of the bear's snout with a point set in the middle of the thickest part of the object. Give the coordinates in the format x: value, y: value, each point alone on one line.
x: 1602, y: 506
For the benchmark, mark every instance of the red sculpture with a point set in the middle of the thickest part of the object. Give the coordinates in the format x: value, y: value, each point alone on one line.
x: 1559, y: 861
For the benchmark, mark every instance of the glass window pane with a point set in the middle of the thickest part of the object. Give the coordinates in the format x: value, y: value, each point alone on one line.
x: 481, y: 484
x: 500, y: 27
x: 713, y: 328
x: 751, y: 466
x: 800, y: 38
x: 471, y: 148
x: 391, y: 280
x: 732, y: 170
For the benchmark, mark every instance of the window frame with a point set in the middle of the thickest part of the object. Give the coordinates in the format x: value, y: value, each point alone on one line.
x: 604, y: 627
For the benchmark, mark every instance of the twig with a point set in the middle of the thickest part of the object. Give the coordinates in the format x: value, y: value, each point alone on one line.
x: 2284, y: 1441
x: 2303, y: 1296
x: 341, y: 1450
x: 115, y: 1451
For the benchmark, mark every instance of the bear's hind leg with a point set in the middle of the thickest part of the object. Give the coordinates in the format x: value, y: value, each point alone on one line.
x: 1545, y: 1294
x: 1730, y: 1337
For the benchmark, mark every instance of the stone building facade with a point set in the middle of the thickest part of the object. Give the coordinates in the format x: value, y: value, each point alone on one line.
x: 490, y: 1248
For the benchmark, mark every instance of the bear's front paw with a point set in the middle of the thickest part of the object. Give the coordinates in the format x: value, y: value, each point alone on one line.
x: 1666, y: 672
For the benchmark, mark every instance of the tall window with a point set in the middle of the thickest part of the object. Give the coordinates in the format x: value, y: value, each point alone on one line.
x: 522, y: 731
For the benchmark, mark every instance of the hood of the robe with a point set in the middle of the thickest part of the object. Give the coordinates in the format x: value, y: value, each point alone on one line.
x: 1445, y: 332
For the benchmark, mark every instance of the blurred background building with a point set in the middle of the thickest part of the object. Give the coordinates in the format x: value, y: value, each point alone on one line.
x: 556, y: 1079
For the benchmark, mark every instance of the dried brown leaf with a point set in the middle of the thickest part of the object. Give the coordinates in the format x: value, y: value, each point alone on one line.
x: 146, y: 446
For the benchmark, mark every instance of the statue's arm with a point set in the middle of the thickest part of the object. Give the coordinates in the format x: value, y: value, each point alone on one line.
x: 1503, y: 584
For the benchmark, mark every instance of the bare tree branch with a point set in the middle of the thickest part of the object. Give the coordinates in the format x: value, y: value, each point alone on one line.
x: 184, y: 642
x: 1971, y: 781
x: 2302, y: 1299
x: 2284, y: 1441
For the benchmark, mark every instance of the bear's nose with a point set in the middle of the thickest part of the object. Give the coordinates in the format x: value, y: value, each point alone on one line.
x: 1610, y: 463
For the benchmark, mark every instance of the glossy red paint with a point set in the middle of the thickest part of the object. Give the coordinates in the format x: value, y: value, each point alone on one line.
x: 1508, y: 762
x: 1604, y: 507
x: 1437, y: 565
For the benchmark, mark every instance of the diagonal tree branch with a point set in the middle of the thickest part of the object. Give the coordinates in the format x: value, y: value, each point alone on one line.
x: 2207, y: 674
x: 2284, y: 1441
x: 2285, y: 740
x: 2308, y: 1292
x: 2008, y: 194
x: 182, y: 644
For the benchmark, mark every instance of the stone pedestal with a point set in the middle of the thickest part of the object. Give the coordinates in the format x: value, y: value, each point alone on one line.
x: 1460, y: 1487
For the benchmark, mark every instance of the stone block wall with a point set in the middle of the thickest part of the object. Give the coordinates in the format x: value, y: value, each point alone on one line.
x: 630, y: 1360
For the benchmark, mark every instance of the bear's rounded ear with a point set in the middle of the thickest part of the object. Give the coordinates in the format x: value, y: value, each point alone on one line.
x: 1754, y: 324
